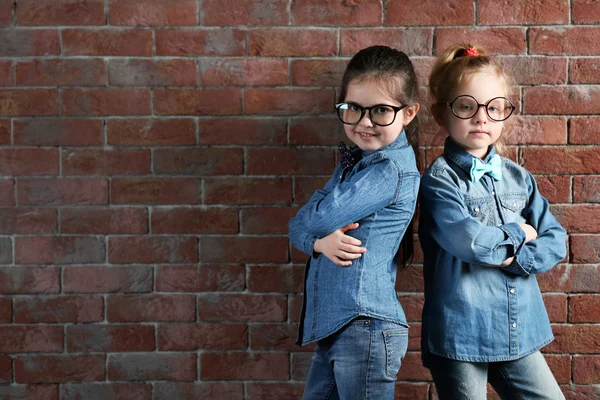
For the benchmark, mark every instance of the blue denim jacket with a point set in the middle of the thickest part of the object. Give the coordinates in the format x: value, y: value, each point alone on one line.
x: 380, y: 193
x: 475, y: 312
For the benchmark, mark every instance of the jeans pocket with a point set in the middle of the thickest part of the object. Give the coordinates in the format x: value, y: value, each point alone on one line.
x: 396, y: 343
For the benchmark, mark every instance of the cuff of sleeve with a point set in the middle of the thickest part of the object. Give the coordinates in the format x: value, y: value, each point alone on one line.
x: 309, y: 245
x: 522, y: 264
x: 515, y: 234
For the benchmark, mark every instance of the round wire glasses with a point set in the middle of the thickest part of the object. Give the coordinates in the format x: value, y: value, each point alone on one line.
x: 497, y: 109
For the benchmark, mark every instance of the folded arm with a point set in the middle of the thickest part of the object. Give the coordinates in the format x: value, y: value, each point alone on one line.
x: 459, y: 233
x: 366, y: 192
x: 549, y: 248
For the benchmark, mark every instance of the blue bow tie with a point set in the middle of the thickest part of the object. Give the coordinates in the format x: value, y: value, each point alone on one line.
x: 492, y: 167
x: 347, y: 158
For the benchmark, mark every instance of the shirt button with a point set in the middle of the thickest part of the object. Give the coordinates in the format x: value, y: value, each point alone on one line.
x: 512, y: 290
x: 514, y: 325
x: 493, y: 193
x: 476, y: 209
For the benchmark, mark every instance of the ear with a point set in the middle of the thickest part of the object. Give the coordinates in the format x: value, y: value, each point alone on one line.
x: 410, y: 113
x: 437, y: 110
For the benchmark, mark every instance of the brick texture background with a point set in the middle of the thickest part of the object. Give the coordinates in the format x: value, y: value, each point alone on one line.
x: 152, y: 152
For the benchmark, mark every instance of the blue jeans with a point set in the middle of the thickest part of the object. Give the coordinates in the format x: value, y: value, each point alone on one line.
x: 360, y: 361
x: 526, y: 378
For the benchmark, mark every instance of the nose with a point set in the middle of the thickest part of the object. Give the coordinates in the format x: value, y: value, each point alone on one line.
x: 366, y: 120
x: 480, y: 116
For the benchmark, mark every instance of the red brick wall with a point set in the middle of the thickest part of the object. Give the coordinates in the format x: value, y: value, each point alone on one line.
x: 152, y: 152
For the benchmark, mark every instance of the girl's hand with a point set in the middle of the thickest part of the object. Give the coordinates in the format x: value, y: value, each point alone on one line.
x: 507, y: 262
x: 530, y: 232
x: 339, y: 247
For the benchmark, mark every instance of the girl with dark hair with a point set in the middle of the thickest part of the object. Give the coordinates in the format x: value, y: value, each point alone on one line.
x: 353, y: 228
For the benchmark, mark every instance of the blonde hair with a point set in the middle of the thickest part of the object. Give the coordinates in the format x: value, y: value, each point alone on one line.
x: 455, y: 66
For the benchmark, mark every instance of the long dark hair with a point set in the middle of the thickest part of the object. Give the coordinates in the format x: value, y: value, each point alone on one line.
x: 394, y: 72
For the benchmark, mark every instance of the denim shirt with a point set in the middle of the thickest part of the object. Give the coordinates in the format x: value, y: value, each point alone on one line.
x: 379, y: 193
x: 474, y: 311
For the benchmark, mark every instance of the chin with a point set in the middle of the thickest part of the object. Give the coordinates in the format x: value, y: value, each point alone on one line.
x: 370, y: 146
x: 363, y: 147
x: 478, y: 144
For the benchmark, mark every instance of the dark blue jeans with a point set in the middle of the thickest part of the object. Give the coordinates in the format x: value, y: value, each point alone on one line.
x: 360, y: 361
x: 526, y: 378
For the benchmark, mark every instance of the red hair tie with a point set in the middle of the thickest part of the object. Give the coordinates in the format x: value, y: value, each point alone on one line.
x: 471, y: 52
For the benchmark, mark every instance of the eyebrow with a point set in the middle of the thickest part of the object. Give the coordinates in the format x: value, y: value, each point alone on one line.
x: 377, y: 104
x: 491, y: 98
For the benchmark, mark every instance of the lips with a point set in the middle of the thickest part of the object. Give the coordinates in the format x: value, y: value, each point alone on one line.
x: 365, y: 134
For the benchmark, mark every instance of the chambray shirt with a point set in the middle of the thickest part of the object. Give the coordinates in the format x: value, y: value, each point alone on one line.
x: 475, y: 312
x: 379, y: 193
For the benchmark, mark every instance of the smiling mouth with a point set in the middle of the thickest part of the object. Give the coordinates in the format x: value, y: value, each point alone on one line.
x: 363, y: 134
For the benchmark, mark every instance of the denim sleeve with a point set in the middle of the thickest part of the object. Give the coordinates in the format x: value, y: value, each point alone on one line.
x: 298, y: 234
x: 364, y: 193
x: 457, y: 232
x: 549, y: 248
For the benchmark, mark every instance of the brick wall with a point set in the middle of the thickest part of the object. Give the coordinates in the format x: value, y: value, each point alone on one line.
x: 152, y: 152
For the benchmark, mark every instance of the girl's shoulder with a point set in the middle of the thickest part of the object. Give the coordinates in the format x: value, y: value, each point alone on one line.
x: 508, y: 163
x: 381, y: 161
x: 442, y: 173
x: 514, y: 170
x: 439, y: 167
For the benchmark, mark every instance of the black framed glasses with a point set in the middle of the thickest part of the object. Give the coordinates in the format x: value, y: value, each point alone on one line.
x: 379, y: 114
x: 497, y: 109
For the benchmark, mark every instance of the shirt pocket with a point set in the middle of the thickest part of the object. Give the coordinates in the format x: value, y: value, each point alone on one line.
x: 513, y: 205
x: 481, y: 208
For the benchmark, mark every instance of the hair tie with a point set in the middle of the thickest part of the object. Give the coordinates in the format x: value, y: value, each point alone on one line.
x: 470, y: 52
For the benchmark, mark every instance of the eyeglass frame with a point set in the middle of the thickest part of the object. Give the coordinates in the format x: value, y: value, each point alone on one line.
x: 479, y: 105
x: 363, y: 110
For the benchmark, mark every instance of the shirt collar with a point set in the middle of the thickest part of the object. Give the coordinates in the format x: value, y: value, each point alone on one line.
x: 461, y: 157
